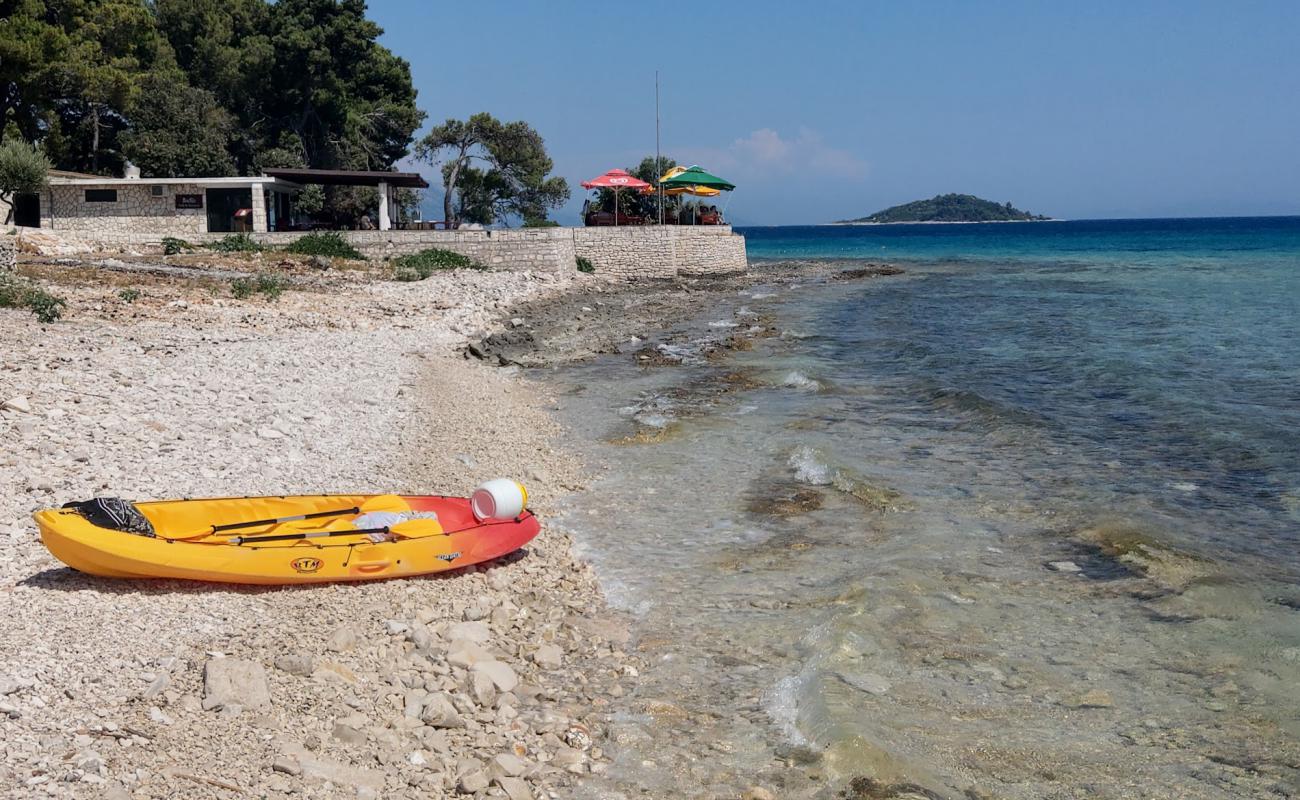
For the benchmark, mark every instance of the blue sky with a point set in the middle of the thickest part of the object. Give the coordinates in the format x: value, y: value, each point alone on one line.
x: 821, y: 111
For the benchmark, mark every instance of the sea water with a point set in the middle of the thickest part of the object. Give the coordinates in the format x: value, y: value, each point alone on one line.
x: 1023, y: 521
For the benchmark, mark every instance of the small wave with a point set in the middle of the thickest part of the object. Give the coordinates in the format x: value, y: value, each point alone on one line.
x: 762, y: 295
x: 809, y: 467
x: 724, y: 323
x: 653, y: 420
x: 685, y: 354
x: 795, y: 379
x: 781, y: 703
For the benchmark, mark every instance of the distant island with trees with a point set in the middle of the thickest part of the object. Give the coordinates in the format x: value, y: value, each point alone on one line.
x: 948, y: 208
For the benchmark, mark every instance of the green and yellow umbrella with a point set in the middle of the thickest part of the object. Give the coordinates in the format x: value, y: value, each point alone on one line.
x: 694, y: 178
x: 698, y: 191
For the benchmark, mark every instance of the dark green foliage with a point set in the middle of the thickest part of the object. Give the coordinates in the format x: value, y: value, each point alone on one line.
x: 585, y: 265
x: 418, y: 266
x: 23, y: 168
x: 236, y: 243
x: 325, y: 244
x: 264, y: 283
x: 206, y: 87
x: 129, y: 295
x: 171, y: 245
x: 541, y: 223
x: 18, y: 293
x: 178, y: 130
x: 951, y: 208
x: 512, y: 181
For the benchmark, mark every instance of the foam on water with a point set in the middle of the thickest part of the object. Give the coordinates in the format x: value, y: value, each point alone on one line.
x: 797, y: 380
x: 809, y: 467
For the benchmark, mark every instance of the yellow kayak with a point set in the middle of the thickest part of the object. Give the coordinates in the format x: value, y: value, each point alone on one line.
x: 282, y: 540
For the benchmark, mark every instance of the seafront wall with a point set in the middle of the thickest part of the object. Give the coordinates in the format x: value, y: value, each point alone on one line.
x: 627, y: 253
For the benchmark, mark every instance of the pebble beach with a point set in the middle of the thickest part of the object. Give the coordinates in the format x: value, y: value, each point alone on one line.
x: 491, y: 681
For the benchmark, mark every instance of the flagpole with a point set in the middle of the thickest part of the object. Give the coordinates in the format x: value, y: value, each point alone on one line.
x: 658, y: 165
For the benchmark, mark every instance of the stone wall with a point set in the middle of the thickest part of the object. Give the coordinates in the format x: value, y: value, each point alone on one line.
x: 626, y: 253
x: 8, y: 252
x: 630, y: 253
x: 710, y: 251
x: 137, y: 211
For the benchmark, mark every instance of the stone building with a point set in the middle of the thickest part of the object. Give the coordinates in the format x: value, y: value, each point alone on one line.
x: 93, y: 204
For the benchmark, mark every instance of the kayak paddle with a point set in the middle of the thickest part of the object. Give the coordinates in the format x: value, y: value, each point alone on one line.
x: 411, y: 529
x: 383, y: 502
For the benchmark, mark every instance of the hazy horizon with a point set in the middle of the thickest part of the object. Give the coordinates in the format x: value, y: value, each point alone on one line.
x: 1106, y: 112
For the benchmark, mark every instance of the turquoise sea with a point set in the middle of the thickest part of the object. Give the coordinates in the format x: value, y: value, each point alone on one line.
x: 1021, y: 522
x: 1165, y: 351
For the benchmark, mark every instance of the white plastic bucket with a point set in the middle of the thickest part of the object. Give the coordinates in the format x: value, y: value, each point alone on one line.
x: 499, y: 498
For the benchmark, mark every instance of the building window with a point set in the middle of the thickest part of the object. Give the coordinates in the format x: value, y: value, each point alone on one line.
x: 156, y: 191
x: 101, y: 195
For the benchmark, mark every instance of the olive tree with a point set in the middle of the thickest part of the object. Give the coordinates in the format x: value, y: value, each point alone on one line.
x: 512, y: 180
x: 23, y: 168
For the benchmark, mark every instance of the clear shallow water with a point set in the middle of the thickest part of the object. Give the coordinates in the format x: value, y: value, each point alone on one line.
x: 1134, y: 243
x: 933, y: 444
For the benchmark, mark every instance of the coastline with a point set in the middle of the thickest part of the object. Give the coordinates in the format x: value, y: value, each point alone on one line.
x: 854, y: 223
x: 344, y: 383
x: 791, y: 656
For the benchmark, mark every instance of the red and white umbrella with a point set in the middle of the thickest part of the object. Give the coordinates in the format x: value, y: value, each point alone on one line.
x: 618, y: 180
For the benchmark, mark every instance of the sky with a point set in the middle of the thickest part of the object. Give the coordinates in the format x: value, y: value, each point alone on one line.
x: 820, y: 111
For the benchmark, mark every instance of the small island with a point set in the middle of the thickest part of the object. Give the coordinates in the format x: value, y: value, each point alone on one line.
x: 948, y: 208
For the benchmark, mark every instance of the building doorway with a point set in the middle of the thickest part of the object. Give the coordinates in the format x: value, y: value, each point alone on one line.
x: 222, y: 205
x: 27, y: 210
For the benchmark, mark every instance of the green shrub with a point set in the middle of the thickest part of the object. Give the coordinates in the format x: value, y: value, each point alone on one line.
x: 237, y: 243
x: 325, y: 244
x: 129, y: 295
x: 264, y: 283
x: 17, y: 293
x: 541, y: 223
x: 172, y: 245
x: 585, y: 265
x: 418, y: 266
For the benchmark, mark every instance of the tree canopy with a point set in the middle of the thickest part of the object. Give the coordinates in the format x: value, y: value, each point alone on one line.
x: 205, y: 87
x: 493, y: 171
x: 23, y: 168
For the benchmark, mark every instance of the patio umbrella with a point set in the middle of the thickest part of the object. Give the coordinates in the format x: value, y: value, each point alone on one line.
x: 618, y: 180
x: 698, y: 191
x: 697, y: 177
x: 694, y: 180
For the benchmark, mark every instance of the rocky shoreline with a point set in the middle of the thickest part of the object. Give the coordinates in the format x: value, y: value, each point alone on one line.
x: 492, y: 681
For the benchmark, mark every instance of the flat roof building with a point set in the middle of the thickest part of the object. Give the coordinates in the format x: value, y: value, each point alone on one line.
x: 180, y: 206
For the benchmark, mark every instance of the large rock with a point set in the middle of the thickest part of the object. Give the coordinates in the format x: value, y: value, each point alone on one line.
x: 500, y: 673
x: 48, y: 244
x: 323, y: 769
x: 230, y: 682
x: 472, y: 631
x: 548, y: 656
x: 343, y: 639
x: 463, y: 653
x: 515, y: 788
x: 440, y: 712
